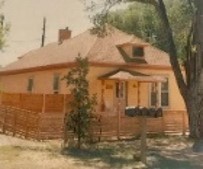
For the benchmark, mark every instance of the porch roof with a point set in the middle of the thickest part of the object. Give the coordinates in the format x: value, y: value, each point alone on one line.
x: 126, y: 75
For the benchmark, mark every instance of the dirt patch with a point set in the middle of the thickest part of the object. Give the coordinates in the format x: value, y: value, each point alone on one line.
x: 163, y: 153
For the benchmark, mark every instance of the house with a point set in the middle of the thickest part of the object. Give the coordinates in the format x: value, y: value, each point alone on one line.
x: 114, y: 59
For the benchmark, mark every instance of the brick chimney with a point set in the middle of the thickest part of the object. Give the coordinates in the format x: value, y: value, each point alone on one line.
x: 63, y: 34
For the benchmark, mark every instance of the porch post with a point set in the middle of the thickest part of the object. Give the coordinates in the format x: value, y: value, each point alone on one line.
x: 102, y: 96
x: 43, y: 103
x: 119, y: 111
x: 138, y: 93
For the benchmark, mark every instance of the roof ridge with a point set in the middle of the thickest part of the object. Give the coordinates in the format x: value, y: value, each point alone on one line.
x: 160, y: 50
x: 88, y: 52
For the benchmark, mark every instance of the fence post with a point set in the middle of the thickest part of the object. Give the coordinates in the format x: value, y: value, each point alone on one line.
x: 40, y: 115
x: 65, y: 134
x: 163, y: 123
x: 44, y: 103
x: 27, y: 123
x: 64, y: 103
x: 4, y: 121
x: 14, y: 112
x: 118, y: 120
x: 1, y: 95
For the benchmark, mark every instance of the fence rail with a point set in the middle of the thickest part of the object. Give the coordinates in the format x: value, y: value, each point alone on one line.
x: 37, y: 116
x: 172, y: 122
x: 41, y: 117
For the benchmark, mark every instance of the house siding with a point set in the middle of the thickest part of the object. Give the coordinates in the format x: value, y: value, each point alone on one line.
x: 43, y: 83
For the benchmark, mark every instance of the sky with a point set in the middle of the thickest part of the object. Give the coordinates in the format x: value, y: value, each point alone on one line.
x: 26, y: 17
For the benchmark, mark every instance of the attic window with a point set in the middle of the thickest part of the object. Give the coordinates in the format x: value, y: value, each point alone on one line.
x: 138, y: 51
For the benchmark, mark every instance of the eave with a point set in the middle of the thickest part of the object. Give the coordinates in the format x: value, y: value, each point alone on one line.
x: 94, y: 64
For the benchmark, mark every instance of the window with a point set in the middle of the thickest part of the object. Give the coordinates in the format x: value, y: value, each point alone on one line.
x: 56, y: 81
x: 159, y: 94
x: 154, y: 94
x: 30, y: 84
x: 164, y: 93
x: 138, y: 51
x: 120, y: 91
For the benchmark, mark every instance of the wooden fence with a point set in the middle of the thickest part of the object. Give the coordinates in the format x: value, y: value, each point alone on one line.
x: 43, y: 103
x: 34, y: 116
x: 172, y: 122
x: 41, y: 116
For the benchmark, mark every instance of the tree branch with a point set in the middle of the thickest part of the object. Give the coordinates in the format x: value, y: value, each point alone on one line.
x: 172, y: 50
x: 160, y: 7
x: 188, y: 54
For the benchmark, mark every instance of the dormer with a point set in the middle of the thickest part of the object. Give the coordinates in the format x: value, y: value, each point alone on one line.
x: 133, y: 52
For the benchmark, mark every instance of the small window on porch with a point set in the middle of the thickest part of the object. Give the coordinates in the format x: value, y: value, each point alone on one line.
x: 56, y: 83
x: 30, y: 84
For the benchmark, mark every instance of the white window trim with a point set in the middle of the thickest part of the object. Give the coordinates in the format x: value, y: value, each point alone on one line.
x: 159, y: 93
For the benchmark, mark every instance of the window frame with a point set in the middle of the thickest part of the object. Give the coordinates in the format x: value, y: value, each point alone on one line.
x: 120, y: 94
x: 56, y: 90
x: 164, y: 92
x: 160, y: 92
x: 30, y: 84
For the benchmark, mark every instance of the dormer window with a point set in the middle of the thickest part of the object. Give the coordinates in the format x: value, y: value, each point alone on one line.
x: 138, y: 51
x: 133, y: 52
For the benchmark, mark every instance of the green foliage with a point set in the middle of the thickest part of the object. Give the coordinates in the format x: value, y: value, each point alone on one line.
x: 143, y: 21
x: 4, y: 28
x: 82, y: 104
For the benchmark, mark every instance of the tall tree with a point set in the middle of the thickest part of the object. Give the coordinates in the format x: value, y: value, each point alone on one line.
x: 4, y: 28
x: 190, y: 88
x: 143, y: 21
x: 82, y: 104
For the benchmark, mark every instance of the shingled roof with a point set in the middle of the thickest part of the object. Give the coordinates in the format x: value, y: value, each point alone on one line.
x: 96, y: 48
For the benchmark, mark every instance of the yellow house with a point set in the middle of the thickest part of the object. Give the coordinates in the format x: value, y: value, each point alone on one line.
x: 116, y: 54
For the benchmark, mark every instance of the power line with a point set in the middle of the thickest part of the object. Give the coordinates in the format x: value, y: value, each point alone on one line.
x: 25, y: 41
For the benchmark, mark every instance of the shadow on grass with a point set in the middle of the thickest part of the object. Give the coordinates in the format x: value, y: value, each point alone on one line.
x: 164, y: 162
x: 108, y: 156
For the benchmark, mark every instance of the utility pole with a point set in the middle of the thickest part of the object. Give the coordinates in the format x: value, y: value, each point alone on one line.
x: 2, y: 20
x: 43, y: 32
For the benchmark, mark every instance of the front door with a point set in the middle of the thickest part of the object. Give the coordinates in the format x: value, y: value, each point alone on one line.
x: 120, y: 95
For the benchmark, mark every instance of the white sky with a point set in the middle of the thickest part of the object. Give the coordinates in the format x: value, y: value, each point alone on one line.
x: 25, y: 18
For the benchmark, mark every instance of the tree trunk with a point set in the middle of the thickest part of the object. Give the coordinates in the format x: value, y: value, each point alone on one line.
x: 193, y: 116
x: 190, y: 91
x: 198, y: 67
